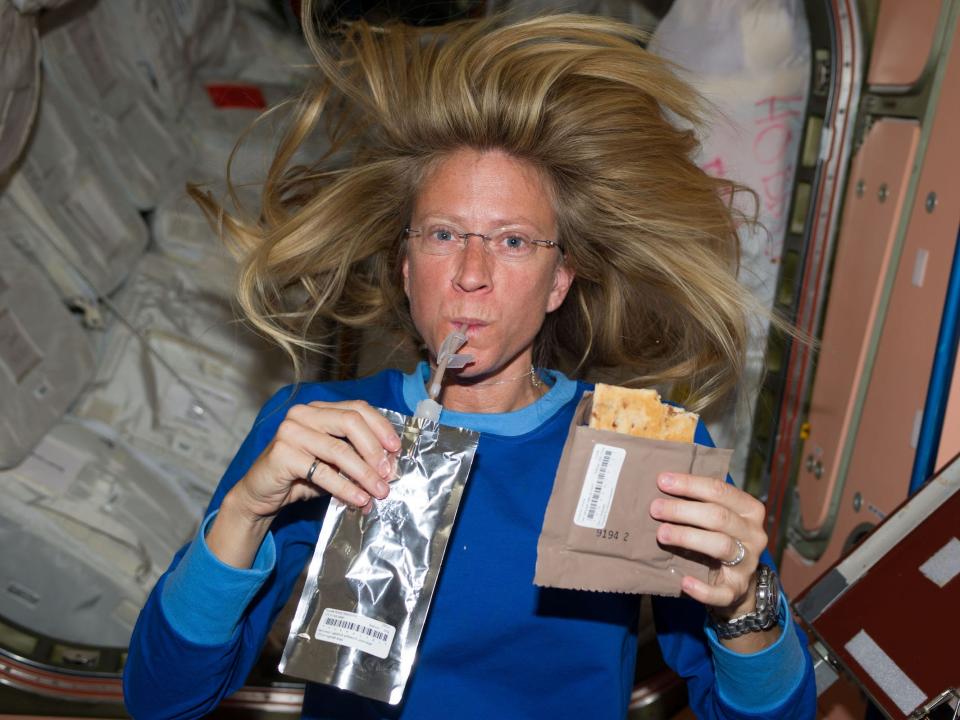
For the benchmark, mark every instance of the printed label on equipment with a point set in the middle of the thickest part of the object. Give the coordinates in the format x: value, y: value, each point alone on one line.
x: 599, y: 486
x: 356, y: 631
x: 944, y: 565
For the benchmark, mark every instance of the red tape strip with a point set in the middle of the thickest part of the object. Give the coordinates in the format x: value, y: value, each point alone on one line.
x: 228, y: 95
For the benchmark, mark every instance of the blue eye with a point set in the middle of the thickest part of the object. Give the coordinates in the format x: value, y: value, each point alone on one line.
x: 512, y: 245
x: 442, y: 235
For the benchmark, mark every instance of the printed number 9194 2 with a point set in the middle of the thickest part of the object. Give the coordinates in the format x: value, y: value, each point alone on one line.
x: 612, y: 534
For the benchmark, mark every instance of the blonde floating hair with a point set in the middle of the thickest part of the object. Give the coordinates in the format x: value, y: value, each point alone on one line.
x: 651, y: 237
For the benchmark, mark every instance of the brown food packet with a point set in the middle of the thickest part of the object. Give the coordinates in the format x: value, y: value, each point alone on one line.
x: 597, y: 531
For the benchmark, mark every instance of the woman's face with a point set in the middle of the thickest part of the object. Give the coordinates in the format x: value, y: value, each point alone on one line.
x: 502, y: 302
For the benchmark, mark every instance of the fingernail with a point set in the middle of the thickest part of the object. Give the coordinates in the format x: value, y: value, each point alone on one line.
x: 360, y: 499
x: 382, y: 490
x: 384, y: 468
x: 667, y: 480
x: 663, y: 534
x: 656, y: 507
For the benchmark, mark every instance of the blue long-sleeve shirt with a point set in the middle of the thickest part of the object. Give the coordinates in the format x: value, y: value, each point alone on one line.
x: 494, y: 645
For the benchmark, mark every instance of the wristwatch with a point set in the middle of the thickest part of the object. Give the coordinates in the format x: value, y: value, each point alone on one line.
x: 764, y: 617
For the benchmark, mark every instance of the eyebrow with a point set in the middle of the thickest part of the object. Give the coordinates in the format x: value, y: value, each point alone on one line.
x: 497, y: 224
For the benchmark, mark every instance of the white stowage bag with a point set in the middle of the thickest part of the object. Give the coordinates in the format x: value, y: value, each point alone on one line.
x: 19, y: 81
x: 752, y: 61
x: 259, y: 51
x: 136, y: 142
x: 45, y: 357
x: 164, y: 43
x: 86, y: 530
x: 219, y: 110
x: 181, y: 232
x: 31, y: 239
x: 186, y: 387
x: 83, y: 212
x: 30, y: 6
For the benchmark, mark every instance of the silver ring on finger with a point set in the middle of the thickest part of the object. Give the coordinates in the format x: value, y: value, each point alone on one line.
x: 741, y: 554
x: 313, y: 469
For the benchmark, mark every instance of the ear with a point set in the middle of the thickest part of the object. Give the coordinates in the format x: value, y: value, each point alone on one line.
x: 405, y: 269
x: 562, y: 280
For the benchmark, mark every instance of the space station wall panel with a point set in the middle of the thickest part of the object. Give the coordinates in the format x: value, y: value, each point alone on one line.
x: 874, y: 201
x: 902, y: 42
x: 884, y: 446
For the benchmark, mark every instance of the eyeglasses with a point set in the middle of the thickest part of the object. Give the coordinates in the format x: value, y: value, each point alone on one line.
x: 509, y: 245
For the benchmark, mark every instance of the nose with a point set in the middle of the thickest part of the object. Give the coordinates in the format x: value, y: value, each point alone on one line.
x: 473, y: 269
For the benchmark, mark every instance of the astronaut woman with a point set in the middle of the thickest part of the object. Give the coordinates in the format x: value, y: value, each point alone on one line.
x: 532, y: 182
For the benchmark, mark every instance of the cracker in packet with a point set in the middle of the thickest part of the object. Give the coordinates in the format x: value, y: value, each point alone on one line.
x: 597, y: 530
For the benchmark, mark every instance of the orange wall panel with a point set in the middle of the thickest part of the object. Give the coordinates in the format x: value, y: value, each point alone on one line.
x: 878, y: 180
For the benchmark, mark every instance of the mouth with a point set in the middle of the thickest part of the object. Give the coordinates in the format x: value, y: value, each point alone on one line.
x: 474, y: 325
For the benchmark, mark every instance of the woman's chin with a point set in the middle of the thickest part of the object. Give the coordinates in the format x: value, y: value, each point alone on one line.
x: 470, y: 372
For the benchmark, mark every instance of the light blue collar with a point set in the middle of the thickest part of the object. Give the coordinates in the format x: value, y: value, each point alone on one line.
x: 518, y: 422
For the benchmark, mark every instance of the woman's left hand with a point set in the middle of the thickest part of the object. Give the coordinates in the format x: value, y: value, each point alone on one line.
x: 709, y: 516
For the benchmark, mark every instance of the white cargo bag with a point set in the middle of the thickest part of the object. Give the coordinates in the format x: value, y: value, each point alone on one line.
x: 752, y: 61
x: 32, y: 6
x: 220, y: 109
x: 86, y: 531
x: 163, y: 42
x: 19, y: 82
x: 181, y: 232
x: 143, y: 149
x: 79, y: 206
x: 186, y: 387
x: 41, y: 249
x: 260, y: 51
x: 205, y: 28
x: 45, y: 357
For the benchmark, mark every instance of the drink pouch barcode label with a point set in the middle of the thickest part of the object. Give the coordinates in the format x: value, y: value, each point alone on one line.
x: 599, y: 486
x: 356, y: 631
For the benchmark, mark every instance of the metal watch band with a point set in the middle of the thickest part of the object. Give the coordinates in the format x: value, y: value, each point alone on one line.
x: 764, y: 617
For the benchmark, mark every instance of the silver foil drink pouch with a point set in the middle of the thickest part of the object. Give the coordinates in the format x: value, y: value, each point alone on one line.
x: 372, y: 577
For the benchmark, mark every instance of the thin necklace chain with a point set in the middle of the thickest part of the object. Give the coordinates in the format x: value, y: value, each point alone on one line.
x: 531, y: 373
x: 535, y: 380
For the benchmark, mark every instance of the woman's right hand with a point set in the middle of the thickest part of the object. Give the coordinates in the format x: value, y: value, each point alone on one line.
x: 352, y: 442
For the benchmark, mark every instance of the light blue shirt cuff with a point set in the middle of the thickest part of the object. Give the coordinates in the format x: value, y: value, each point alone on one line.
x: 204, y: 599
x: 758, y: 682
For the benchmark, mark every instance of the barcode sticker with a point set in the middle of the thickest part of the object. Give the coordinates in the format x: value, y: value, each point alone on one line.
x: 599, y: 485
x: 356, y: 631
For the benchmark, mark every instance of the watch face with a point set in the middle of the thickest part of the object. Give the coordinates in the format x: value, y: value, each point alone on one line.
x: 764, y: 617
